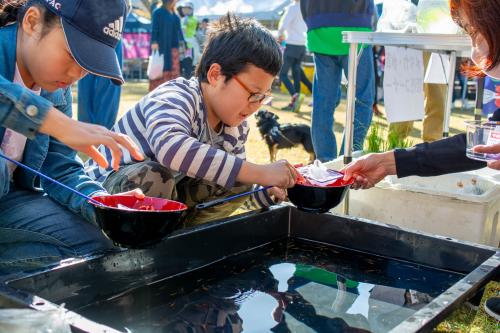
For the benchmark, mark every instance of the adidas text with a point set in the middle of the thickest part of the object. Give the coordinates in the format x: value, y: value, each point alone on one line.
x: 54, y: 4
x: 112, y: 33
x: 114, y: 29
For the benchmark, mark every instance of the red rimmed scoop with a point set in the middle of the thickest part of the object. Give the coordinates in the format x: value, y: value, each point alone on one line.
x: 137, y: 223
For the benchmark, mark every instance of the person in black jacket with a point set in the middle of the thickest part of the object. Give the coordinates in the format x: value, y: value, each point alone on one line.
x: 480, y: 20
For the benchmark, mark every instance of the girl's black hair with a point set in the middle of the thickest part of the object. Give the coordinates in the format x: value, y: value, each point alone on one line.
x: 234, y: 43
x: 13, y: 11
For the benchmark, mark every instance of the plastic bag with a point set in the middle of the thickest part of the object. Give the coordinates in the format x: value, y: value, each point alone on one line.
x: 29, y: 320
x: 155, y: 65
x: 317, y: 174
x: 398, y: 16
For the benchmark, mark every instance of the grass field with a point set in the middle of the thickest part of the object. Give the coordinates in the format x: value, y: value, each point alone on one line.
x: 464, y: 319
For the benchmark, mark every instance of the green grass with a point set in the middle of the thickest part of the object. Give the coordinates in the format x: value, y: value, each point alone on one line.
x: 374, y: 140
x: 464, y: 319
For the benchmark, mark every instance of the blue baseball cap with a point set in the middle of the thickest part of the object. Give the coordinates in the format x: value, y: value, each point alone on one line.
x: 93, y: 29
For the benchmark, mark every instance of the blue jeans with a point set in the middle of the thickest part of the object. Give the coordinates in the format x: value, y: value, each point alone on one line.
x: 35, y: 231
x: 327, y: 93
x: 292, y: 59
x: 4, y: 177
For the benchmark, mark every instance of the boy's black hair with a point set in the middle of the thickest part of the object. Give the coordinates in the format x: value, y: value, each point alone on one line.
x: 234, y: 42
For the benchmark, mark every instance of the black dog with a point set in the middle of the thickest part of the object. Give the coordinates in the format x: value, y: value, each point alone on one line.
x: 283, y: 136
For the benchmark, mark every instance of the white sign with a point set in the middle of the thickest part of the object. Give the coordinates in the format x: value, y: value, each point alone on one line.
x: 403, y: 84
x: 438, y: 69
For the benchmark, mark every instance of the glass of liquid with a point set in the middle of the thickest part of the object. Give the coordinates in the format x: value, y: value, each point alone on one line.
x: 482, y: 133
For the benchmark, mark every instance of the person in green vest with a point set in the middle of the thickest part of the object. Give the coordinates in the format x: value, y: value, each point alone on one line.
x: 189, y: 23
x: 326, y: 20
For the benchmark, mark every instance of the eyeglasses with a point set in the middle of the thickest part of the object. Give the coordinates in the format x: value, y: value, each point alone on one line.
x: 261, y: 98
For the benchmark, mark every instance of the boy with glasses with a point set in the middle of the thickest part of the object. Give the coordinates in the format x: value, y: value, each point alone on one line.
x: 193, y: 132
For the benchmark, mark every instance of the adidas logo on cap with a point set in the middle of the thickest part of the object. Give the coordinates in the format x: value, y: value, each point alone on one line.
x: 114, y: 29
x: 54, y: 4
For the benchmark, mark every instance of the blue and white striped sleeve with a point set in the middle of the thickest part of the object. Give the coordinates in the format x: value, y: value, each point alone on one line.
x: 168, y: 131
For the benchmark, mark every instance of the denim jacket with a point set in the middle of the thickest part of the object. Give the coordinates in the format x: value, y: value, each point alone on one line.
x: 23, y: 111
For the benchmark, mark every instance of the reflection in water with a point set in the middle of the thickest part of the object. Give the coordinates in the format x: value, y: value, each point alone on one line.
x: 292, y: 286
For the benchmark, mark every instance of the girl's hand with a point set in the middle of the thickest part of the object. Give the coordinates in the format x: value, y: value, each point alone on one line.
x: 86, y: 138
x: 136, y: 193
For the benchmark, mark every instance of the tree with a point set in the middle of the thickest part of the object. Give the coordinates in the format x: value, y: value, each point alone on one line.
x: 148, y: 5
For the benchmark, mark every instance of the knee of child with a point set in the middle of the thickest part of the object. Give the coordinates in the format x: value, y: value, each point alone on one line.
x: 155, y: 171
x: 151, y: 177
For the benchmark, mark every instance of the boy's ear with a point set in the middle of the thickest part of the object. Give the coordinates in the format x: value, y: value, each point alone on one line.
x: 214, y: 74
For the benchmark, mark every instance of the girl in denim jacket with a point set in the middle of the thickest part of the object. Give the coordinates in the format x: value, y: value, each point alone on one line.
x: 46, y: 46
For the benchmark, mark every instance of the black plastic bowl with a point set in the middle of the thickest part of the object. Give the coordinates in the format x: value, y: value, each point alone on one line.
x: 318, y: 199
x: 138, y: 223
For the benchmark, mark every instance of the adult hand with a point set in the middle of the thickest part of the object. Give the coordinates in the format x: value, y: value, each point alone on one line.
x: 370, y: 169
x: 86, y: 138
x: 490, y: 149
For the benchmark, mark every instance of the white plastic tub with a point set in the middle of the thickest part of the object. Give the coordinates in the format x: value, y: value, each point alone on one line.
x: 461, y: 205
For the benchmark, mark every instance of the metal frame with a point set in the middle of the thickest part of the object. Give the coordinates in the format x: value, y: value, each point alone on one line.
x: 441, y: 43
x: 87, y: 280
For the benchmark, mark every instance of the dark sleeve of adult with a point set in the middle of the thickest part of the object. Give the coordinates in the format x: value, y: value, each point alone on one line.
x: 177, y: 35
x: 435, y: 158
x: 155, y: 32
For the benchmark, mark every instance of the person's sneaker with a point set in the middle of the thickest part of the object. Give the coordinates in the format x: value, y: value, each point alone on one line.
x: 290, y: 105
x: 298, y: 103
x: 492, y: 307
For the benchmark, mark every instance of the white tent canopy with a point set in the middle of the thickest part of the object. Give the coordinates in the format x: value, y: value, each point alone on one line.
x: 260, y: 9
x: 263, y: 10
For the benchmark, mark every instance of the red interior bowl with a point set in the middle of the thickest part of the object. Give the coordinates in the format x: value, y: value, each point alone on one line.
x: 146, y: 204
x: 318, y: 199
x: 145, y: 222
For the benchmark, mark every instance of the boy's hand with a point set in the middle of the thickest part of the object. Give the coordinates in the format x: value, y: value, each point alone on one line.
x: 280, y: 174
x: 277, y: 194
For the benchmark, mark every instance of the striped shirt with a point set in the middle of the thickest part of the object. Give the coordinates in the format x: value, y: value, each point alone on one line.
x: 170, y: 127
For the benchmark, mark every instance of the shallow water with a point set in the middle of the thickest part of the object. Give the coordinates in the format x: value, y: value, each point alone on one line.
x: 289, y: 286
